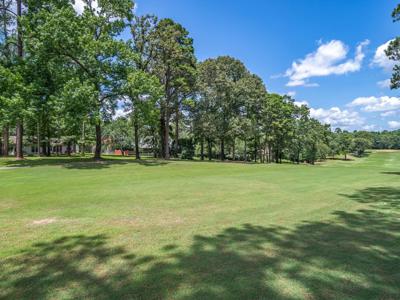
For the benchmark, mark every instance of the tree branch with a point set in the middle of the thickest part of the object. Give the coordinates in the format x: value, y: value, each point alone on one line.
x: 9, y: 11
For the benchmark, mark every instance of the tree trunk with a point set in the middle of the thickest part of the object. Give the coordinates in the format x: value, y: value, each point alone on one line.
x: 202, y: 149
x: 245, y: 150
x: 83, y: 139
x: 162, y: 134
x: 5, y: 31
x: 38, y: 138
x: 270, y: 153
x: 44, y: 149
x: 97, y: 151
x: 69, y: 148
x: 166, y: 137
x: 345, y: 156
x: 222, y: 149
x: 155, y: 143
x: 255, y: 150
x: 233, y: 150
x: 6, y: 136
x: 209, y: 149
x: 136, y: 129
x: 176, y: 130
x: 48, y: 141
x: 19, y: 140
x: 20, y: 53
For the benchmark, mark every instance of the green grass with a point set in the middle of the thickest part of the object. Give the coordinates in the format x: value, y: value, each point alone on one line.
x: 72, y: 228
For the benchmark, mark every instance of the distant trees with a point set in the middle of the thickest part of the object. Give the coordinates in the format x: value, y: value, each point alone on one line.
x: 63, y: 74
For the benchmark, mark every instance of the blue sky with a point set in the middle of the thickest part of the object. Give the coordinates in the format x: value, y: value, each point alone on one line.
x: 333, y: 43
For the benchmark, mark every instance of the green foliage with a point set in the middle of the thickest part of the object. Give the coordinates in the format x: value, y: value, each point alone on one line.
x: 359, y: 145
x: 187, y: 148
x: 75, y: 71
x: 393, y: 52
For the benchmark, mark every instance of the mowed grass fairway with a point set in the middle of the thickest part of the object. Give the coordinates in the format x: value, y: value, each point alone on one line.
x: 72, y: 228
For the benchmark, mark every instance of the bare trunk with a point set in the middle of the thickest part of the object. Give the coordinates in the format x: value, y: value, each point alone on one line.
x: 83, y: 139
x: 209, y: 150
x: 48, y: 141
x: 222, y: 149
x: 20, y: 47
x: 176, y: 130
x: 69, y: 148
x: 233, y: 150
x: 136, y: 129
x: 20, y: 52
x: 255, y: 150
x: 162, y: 135
x: 5, y: 31
x: 97, y: 151
x: 202, y: 149
x: 6, y: 136
x: 245, y: 150
x: 19, y: 140
x: 166, y: 136
x: 38, y: 138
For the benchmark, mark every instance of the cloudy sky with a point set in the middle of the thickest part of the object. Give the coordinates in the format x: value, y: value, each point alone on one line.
x: 329, y: 54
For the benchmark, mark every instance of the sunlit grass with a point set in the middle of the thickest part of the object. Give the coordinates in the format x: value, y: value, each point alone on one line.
x: 120, y: 228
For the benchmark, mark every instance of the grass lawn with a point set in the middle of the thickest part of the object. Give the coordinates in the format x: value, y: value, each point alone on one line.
x: 72, y: 228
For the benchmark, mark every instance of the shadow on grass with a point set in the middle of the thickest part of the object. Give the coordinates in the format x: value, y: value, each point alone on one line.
x: 391, y: 173
x: 81, y: 162
x: 378, y: 197
x: 340, y: 159
x: 354, y: 256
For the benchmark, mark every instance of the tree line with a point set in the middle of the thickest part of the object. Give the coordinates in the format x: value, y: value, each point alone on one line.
x: 64, y: 73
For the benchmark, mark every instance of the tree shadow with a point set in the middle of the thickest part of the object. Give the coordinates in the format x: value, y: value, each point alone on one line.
x: 340, y: 159
x: 81, y: 163
x: 391, y: 173
x: 379, y: 197
x: 353, y: 256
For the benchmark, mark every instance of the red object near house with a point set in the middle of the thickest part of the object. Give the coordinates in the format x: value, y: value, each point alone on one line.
x: 121, y: 153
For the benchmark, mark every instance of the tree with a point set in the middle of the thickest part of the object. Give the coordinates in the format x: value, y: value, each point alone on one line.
x: 142, y: 92
x: 174, y: 64
x: 218, y: 84
x: 119, y: 133
x: 142, y: 88
x: 88, y: 43
x: 344, y: 140
x: 393, y: 52
x: 251, y: 93
x: 359, y: 145
x: 278, y: 121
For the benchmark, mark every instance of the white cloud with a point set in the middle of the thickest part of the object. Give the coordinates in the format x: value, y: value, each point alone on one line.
x: 384, y: 84
x: 79, y: 6
x: 374, y: 104
x: 301, y: 103
x: 291, y: 93
x: 326, y: 60
x: 381, y: 60
x: 337, y: 117
x: 388, y: 113
x: 362, y: 101
x: 394, y: 124
x: 120, y: 112
x: 369, y: 127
